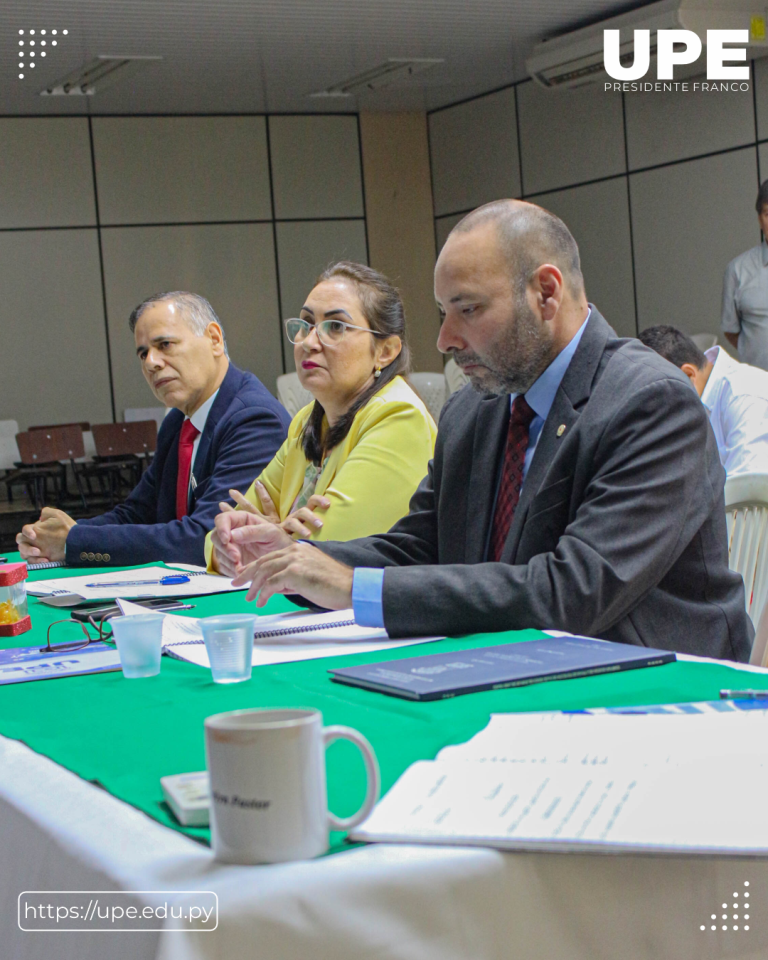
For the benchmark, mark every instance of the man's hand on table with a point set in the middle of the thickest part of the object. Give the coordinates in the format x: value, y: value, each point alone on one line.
x: 47, y: 538
x: 298, y: 568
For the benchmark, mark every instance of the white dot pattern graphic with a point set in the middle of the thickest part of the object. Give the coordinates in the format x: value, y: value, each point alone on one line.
x: 735, y: 916
x: 42, y: 43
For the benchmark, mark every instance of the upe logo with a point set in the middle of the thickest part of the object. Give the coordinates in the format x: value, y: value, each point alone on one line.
x: 675, y: 48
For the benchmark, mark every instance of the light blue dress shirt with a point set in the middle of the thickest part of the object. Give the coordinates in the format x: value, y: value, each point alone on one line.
x: 368, y: 582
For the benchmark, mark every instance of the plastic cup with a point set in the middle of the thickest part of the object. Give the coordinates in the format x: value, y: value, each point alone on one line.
x: 229, y: 642
x: 139, y: 641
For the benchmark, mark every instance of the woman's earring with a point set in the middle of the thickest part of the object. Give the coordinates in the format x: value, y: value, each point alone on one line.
x: 377, y: 372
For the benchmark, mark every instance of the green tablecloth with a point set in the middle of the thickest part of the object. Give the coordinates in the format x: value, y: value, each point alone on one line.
x: 126, y: 734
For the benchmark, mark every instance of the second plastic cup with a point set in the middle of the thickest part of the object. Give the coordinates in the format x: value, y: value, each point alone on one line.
x: 229, y: 642
x: 139, y: 641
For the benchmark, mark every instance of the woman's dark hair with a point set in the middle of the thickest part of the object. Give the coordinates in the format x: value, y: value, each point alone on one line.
x: 383, y: 309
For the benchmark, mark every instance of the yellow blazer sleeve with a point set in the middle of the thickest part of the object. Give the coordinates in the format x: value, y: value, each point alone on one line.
x: 272, y: 478
x: 387, y: 460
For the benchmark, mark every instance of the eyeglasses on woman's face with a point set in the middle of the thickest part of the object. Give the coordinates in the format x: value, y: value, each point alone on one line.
x: 329, y: 332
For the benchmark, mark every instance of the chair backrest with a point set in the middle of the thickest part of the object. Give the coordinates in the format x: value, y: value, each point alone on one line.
x: 132, y: 414
x: 9, y: 452
x: 291, y: 393
x: 432, y: 389
x: 9, y: 428
x: 89, y: 444
x: 82, y: 426
x: 704, y: 340
x: 47, y: 446
x: 746, y: 515
x: 454, y: 376
x: 125, y: 439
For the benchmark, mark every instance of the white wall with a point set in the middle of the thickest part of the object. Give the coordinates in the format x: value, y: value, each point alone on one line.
x: 98, y: 214
x: 657, y: 188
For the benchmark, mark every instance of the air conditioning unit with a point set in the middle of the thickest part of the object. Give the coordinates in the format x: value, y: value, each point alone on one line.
x: 576, y: 58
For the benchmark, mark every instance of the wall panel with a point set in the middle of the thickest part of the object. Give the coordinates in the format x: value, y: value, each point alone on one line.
x: 181, y: 169
x: 54, y: 346
x: 689, y: 220
x: 316, y: 167
x: 232, y: 265
x: 305, y: 250
x: 569, y: 136
x: 474, y: 152
x: 45, y: 173
x: 686, y: 124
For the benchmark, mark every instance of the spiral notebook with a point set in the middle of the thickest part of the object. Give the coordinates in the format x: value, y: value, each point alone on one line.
x: 282, y: 637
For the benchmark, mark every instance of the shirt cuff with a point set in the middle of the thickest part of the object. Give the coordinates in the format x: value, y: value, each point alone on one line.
x: 367, y: 592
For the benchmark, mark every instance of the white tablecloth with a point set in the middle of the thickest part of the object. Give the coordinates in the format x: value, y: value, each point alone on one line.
x: 399, y: 903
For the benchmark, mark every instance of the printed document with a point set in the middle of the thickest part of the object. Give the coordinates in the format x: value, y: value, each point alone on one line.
x: 673, y: 783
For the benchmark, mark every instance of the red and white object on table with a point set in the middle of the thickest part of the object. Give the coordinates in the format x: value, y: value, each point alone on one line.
x: 14, y: 618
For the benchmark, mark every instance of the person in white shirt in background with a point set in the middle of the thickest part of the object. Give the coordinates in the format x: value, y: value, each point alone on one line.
x: 735, y: 395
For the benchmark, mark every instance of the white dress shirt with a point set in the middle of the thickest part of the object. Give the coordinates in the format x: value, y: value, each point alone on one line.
x: 199, y: 419
x: 736, y: 398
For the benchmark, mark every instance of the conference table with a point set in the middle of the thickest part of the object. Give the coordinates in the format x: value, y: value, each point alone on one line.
x: 81, y: 809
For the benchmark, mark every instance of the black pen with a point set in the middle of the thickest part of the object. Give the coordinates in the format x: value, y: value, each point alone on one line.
x: 744, y: 694
x: 3, y: 559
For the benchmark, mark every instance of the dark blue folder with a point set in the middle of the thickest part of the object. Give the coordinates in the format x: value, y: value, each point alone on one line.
x: 444, y: 675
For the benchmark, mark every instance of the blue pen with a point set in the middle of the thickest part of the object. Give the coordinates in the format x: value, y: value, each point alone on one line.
x: 165, y: 582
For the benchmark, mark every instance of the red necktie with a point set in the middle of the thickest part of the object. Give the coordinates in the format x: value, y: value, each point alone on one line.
x: 511, y: 475
x: 186, y: 442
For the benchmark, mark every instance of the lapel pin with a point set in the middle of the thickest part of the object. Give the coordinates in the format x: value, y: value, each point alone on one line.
x: 561, y: 430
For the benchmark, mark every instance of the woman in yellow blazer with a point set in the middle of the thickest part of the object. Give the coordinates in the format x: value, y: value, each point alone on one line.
x: 354, y: 457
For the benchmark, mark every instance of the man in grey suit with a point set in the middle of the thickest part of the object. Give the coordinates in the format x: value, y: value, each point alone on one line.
x: 577, y: 486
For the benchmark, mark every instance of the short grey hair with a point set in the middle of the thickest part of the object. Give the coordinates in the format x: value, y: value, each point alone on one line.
x: 195, y: 309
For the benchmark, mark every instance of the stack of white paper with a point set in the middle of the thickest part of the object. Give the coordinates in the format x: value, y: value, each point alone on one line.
x: 674, y: 783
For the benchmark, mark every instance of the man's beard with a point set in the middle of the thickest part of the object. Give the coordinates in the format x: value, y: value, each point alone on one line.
x: 519, y: 357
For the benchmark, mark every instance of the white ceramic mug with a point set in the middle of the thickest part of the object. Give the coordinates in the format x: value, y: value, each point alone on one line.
x: 268, y: 791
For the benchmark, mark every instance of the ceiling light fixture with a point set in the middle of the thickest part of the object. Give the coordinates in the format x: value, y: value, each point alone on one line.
x: 96, y: 74
x: 394, y: 69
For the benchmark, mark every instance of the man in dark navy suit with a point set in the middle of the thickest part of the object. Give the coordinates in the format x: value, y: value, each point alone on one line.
x: 224, y: 429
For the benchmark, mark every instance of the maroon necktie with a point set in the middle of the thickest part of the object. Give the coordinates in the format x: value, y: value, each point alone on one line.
x: 511, y: 475
x: 186, y: 442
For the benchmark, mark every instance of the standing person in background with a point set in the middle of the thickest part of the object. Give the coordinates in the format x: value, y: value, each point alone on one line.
x: 225, y: 426
x: 745, y: 295
x: 355, y: 456
x: 734, y: 394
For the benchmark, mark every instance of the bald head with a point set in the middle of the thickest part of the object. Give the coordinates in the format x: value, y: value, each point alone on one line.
x: 510, y: 293
x: 529, y: 236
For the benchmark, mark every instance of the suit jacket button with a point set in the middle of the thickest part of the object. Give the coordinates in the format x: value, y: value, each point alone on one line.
x: 99, y: 557
x: 107, y: 557
x: 91, y: 556
x: 83, y: 556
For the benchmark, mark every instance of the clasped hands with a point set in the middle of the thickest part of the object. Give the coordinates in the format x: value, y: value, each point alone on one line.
x: 46, y: 539
x: 257, y: 548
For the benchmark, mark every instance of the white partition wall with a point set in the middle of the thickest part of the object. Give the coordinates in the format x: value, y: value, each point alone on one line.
x: 657, y: 188
x: 99, y: 213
